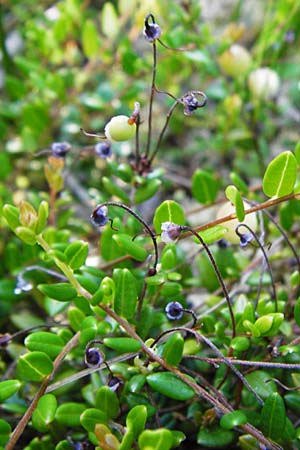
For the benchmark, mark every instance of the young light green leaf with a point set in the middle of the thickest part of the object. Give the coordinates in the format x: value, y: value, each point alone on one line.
x: 44, y: 414
x: 168, y: 211
x: 168, y: 384
x: 136, y: 419
x: 90, y: 39
x: 90, y: 417
x: 280, y: 176
x: 76, y: 254
x: 204, y: 186
x: 160, y: 439
x: 234, y: 196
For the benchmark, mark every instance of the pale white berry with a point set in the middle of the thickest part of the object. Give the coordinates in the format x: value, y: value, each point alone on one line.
x: 264, y: 83
x: 119, y: 129
x: 236, y: 61
x: 230, y: 235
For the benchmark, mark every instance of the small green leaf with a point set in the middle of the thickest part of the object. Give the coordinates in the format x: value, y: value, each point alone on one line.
x: 160, y: 439
x: 215, y: 437
x: 131, y: 247
x: 63, y: 292
x: 90, y: 39
x: 168, y: 384
x: 204, y: 186
x: 46, y: 342
x: 297, y: 312
x: 44, y: 413
x: 147, y: 191
x: 114, y: 189
x: 127, y: 441
x: 34, y: 366
x: 75, y: 317
x: 126, y: 293
x: 212, y: 234
x: 88, y: 330
x: 233, y: 419
x: 5, y: 430
x: 280, y: 176
x: 136, y: 419
x: 76, y: 254
x: 273, y: 416
x: 43, y: 213
x: 69, y: 413
x: 239, y: 183
x: 105, y: 293
x: 234, y: 196
x: 26, y: 235
x: 258, y: 381
x: 136, y: 382
x: 90, y: 417
x: 173, y: 348
x: 168, y: 211
x: 108, y: 402
x: 240, y: 343
x: 8, y: 388
x: 122, y: 344
x: 11, y: 214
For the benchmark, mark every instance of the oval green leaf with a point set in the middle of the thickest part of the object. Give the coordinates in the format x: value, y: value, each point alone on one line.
x: 69, y: 413
x: 126, y: 293
x: 204, y: 186
x: 215, y: 437
x: 234, y: 196
x: 46, y: 342
x: 122, y: 345
x: 233, y: 419
x: 161, y: 439
x: 280, y: 176
x: 63, y: 292
x: 8, y: 388
x: 76, y: 254
x: 134, y: 249
x: 90, y: 417
x: 108, y: 402
x: 34, y: 366
x: 168, y: 211
x: 44, y: 414
x: 168, y: 384
x: 5, y: 430
x: 273, y: 416
x: 173, y: 348
x: 136, y: 419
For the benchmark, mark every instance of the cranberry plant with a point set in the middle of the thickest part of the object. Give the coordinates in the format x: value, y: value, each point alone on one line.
x: 150, y: 279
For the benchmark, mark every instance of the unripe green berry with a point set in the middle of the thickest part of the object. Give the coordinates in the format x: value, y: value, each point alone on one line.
x: 230, y: 235
x: 236, y: 61
x: 118, y: 129
x: 264, y: 83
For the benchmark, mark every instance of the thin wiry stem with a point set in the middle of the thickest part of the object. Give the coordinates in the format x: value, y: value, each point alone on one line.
x: 218, y: 274
x: 265, y: 257
x: 242, y: 362
x: 151, y: 101
x: 141, y: 220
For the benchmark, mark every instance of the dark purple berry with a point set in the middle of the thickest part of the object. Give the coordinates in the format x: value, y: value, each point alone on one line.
x: 99, y: 216
x: 152, y: 31
x: 103, y: 149
x: 114, y: 383
x: 93, y: 357
x: 60, y: 149
x: 174, y: 311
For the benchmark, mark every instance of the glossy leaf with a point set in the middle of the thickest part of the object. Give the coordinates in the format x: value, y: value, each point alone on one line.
x: 160, y: 439
x: 147, y: 191
x: 76, y: 254
x: 125, y: 242
x: 204, y: 186
x: 105, y: 293
x: 5, y: 430
x: 63, y: 292
x: 136, y: 383
x: 11, y: 214
x: 26, y: 235
x: 126, y: 293
x: 136, y: 419
x: 88, y: 330
x: 69, y: 413
x: 215, y: 438
x: 234, y: 196
x: 43, y: 213
x: 46, y: 342
x: 90, y: 417
x: 122, y: 344
x: 34, y: 366
x: 257, y: 381
x: 168, y: 211
x: 108, y: 402
x: 75, y: 317
x: 44, y: 413
x: 168, y: 384
x: 114, y: 189
x: 273, y: 416
x: 127, y: 441
x: 8, y: 388
x: 233, y: 419
x: 239, y: 183
x: 173, y: 348
x: 280, y: 176
x: 297, y: 312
